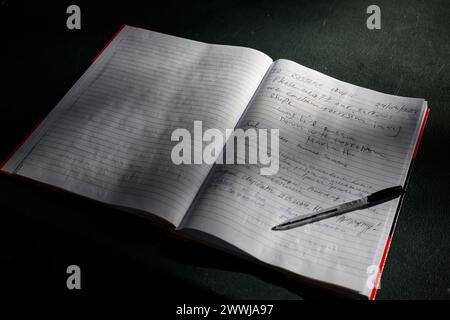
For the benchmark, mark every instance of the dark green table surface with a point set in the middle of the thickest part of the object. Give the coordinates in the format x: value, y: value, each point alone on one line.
x: 42, y: 232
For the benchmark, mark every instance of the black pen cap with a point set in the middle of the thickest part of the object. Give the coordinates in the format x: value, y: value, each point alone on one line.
x: 385, y: 194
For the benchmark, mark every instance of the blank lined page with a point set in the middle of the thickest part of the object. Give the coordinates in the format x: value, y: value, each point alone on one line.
x: 109, y: 138
x: 338, y: 142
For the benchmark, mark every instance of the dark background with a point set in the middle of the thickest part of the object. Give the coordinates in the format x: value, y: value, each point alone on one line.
x: 42, y: 232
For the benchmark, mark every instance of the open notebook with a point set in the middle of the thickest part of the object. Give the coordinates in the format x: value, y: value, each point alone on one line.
x: 108, y: 139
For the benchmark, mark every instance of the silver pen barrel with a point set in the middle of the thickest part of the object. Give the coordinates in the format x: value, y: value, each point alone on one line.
x: 322, y: 214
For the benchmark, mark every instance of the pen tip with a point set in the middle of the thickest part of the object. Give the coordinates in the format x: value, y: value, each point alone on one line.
x: 274, y: 228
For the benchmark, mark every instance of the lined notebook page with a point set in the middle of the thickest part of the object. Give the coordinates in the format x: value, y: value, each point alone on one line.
x: 338, y: 142
x: 109, y: 138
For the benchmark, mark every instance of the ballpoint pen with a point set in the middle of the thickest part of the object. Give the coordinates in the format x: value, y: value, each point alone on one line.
x: 366, y: 202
